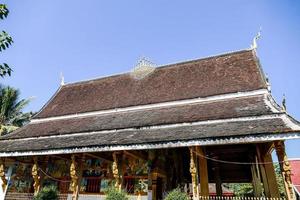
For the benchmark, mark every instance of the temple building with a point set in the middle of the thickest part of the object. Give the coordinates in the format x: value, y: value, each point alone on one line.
x: 196, y: 125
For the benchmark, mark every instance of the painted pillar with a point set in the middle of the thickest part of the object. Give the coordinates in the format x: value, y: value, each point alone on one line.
x: 203, y: 172
x: 267, y: 171
x: 74, y: 174
x: 193, y: 172
x: 285, y: 168
x: 36, y: 176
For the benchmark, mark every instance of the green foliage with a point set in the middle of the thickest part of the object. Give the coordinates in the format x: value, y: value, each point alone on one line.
x: 3, y: 11
x: 5, y: 70
x: 47, y: 193
x: 5, y: 42
x: 246, y: 189
x: 11, y: 115
x: 114, y: 194
x: 242, y: 189
x: 279, y: 179
x: 176, y: 194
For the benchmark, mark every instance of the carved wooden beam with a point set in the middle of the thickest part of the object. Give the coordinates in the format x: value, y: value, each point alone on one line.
x: 97, y: 157
x: 136, y: 155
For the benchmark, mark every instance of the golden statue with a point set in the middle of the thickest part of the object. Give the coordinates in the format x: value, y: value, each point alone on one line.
x: 115, y: 172
x: 35, y: 176
x: 2, y: 176
x: 73, y: 174
x: 193, y: 172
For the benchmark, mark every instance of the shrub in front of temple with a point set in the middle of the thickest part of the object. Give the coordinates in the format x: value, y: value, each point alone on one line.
x: 114, y: 194
x: 176, y: 194
x: 47, y: 193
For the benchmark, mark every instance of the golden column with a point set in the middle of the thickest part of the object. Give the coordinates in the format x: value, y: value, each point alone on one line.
x: 203, y: 172
x: 116, y: 173
x: 193, y: 171
x: 2, y: 175
x: 74, y: 178
x: 35, y: 175
x: 285, y: 168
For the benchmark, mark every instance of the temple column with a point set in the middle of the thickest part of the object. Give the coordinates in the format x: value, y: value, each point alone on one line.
x: 267, y: 171
x: 203, y: 172
x: 74, y: 174
x: 154, y: 177
x: 285, y: 168
x: 116, y: 169
x: 2, y: 175
x: 193, y: 172
x: 35, y: 175
x: 218, y: 180
x: 256, y: 181
x: 151, y: 157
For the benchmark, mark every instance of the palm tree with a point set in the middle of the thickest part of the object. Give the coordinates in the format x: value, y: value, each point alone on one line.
x: 11, y: 115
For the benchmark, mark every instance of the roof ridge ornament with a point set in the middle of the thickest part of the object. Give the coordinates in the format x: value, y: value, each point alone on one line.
x: 268, y: 82
x: 62, y: 79
x: 143, y: 68
x: 255, y: 39
x: 284, y: 103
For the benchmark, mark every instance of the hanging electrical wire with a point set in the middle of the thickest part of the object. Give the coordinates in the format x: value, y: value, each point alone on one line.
x: 55, y: 179
x: 237, y: 163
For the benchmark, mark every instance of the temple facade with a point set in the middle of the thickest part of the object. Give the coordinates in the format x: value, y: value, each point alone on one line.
x: 198, y: 125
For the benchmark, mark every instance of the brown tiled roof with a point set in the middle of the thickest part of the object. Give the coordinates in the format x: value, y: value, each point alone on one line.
x: 217, y: 97
x: 232, y: 108
x: 228, y: 73
x: 147, y: 136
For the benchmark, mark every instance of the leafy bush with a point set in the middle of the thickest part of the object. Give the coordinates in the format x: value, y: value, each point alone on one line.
x: 114, y: 194
x: 176, y: 194
x: 47, y: 193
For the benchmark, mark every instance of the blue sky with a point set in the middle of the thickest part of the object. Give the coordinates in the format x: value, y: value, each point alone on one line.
x: 92, y: 38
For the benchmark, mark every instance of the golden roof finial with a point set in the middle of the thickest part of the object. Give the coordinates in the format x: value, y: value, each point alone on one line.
x: 257, y: 37
x: 284, y: 102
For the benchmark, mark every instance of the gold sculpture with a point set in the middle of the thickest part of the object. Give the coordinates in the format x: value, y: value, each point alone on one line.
x: 35, y: 176
x: 115, y: 171
x: 193, y: 172
x: 2, y: 176
x: 285, y: 168
x: 74, y: 177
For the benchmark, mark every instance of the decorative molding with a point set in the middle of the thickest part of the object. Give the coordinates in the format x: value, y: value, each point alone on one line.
x: 197, y: 142
x: 143, y: 68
